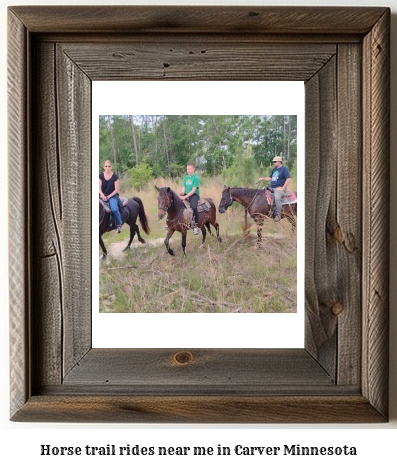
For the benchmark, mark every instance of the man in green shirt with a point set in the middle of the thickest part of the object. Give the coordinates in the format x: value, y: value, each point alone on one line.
x: 191, y: 191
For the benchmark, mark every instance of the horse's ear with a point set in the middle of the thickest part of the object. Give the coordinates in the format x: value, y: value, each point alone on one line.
x: 158, y: 189
x: 168, y: 189
x: 224, y: 186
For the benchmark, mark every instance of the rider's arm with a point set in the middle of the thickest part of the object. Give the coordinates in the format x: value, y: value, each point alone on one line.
x: 287, y: 182
x: 100, y: 190
x: 192, y: 192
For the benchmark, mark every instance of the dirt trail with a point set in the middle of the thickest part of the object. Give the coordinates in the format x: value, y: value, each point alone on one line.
x: 116, y: 248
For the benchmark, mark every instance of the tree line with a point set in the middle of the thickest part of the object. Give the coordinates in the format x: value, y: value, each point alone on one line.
x: 163, y: 144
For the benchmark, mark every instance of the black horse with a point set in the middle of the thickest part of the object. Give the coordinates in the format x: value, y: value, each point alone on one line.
x: 132, y: 210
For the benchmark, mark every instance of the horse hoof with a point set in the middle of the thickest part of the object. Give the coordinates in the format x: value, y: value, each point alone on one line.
x: 171, y: 252
x: 127, y: 248
x: 142, y: 241
x: 219, y: 239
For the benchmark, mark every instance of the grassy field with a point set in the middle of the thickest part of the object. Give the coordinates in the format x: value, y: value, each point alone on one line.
x: 232, y: 276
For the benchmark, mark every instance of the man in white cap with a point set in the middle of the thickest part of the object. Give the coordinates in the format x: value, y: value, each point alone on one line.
x: 280, y: 179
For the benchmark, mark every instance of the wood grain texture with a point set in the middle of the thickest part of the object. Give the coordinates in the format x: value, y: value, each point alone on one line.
x: 73, y: 109
x: 208, y: 369
x: 62, y: 256
x: 341, y: 376
x: 19, y: 200
x: 321, y: 277
x: 192, y: 60
x: 198, y: 409
x: 47, y: 260
x: 346, y: 226
x: 190, y: 19
x: 376, y: 90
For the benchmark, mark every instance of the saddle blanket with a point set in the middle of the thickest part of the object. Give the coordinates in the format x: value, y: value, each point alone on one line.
x: 202, y: 206
x: 288, y: 198
x: 106, y: 206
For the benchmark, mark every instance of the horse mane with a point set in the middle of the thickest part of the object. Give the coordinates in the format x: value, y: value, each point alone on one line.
x: 250, y: 192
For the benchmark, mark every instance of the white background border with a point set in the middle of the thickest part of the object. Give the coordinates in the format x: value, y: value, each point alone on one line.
x: 203, y: 330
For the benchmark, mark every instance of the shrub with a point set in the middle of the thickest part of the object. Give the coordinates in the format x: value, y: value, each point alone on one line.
x: 140, y: 176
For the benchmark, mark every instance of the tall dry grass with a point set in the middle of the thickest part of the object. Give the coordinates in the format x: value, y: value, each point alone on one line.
x: 232, y: 276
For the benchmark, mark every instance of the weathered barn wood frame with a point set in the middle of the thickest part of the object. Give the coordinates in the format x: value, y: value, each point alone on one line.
x: 342, y: 54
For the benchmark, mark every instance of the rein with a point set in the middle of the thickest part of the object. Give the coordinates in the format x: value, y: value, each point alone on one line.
x: 253, y: 199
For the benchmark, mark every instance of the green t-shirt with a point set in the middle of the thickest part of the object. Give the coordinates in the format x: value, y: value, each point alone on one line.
x: 191, y: 181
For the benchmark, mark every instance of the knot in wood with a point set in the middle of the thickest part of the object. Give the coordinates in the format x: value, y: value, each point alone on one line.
x: 183, y: 358
x: 337, y: 308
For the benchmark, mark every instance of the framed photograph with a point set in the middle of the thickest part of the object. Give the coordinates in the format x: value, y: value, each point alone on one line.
x: 340, y: 375
x: 229, y: 278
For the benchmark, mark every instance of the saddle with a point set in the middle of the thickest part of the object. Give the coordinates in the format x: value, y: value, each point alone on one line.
x: 288, y: 198
x: 203, y: 206
x: 106, y: 207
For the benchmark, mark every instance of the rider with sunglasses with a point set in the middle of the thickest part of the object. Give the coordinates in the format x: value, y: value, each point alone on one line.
x: 109, y: 185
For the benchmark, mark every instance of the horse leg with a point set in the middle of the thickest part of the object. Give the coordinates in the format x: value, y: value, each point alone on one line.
x: 216, y: 225
x: 184, y: 242
x: 132, y: 235
x: 167, y: 241
x: 259, y: 233
x: 291, y: 219
x: 141, y: 240
x: 259, y: 225
x: 290, y: 216
x: 204, y: 232
x: 208, y: 226
x: 105, y: 252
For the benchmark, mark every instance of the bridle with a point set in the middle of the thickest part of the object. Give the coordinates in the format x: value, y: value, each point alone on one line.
x: 230, y: 202
x: 169, y: 205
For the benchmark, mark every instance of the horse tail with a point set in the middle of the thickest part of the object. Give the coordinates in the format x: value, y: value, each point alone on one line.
x: 142, y: 215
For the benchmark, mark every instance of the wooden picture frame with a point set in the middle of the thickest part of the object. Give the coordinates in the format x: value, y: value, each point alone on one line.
x: 342, y: 54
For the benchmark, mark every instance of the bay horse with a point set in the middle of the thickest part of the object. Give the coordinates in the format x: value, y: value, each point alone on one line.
x: 169, y: 203
x: 132, y: 210
x: 255, y: 202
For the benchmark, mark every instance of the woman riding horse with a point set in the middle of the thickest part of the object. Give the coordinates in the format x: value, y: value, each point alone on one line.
x: 109, y: 185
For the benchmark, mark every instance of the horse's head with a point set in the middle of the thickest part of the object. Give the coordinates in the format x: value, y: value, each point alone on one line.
x: 226, y: 200
x: 164, y: 200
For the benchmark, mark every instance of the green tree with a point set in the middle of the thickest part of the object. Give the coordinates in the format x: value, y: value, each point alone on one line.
x: 140, y: 175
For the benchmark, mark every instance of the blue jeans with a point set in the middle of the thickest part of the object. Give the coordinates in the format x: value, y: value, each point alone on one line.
x: 113, y: 203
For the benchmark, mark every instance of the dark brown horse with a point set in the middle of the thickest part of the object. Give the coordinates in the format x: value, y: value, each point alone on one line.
x: 255, y: 202
x: 169, y: 203
x: 132, y: 210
